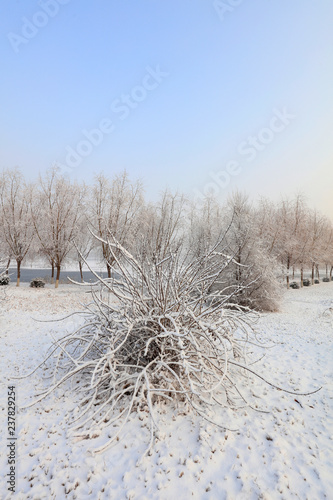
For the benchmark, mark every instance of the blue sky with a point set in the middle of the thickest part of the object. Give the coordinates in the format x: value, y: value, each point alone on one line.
x: 224, y: 76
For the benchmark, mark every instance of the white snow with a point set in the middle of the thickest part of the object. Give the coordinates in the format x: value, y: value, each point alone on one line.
x: 286, y: 453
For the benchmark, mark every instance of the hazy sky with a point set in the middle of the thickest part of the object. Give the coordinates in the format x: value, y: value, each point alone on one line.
x: 193, y: 95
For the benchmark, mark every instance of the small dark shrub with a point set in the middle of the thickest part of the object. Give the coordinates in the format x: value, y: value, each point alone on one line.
x: 316, y: 282
x: 293, y: 284
x: 306, y: 282
x: 37, y: 283
x: 4, y: 279
x: 326, y: 280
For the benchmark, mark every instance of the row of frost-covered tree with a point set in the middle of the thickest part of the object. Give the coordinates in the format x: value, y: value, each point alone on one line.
x: 58, y: 220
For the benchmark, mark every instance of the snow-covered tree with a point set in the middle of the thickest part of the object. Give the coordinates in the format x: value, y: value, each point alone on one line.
x: 327, y: 246
x: 290, y: 217
x: 16, y: 223
x: 84, y: 241
x: 253, y: 273
x: 161, y: 230
x: 316, y: 231
x: 302, y: 241
x: 56, y: 215
x: 205, y: 222
x: 255, y: 270
x: 115, y: 211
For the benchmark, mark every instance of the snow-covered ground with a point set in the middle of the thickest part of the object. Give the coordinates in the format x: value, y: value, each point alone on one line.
x: 286, y: 453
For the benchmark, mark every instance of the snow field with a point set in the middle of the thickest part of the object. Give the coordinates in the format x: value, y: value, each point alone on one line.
x: 286, y: 453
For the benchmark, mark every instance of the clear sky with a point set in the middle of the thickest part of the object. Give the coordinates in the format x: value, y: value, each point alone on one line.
x: 193, y: 95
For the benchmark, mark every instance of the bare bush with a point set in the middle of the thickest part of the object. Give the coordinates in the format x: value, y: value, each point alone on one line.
x: 4, y: 279
x: 152, y: 335
x: 155, y: 334
x: 37, y: 283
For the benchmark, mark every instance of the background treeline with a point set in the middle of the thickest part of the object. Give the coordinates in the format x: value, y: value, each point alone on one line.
x: 58, y: 219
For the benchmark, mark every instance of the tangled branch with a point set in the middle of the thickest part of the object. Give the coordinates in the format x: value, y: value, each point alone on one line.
x: 155, y: 333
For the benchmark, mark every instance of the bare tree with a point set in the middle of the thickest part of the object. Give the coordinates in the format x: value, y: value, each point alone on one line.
x: 290, y: 217
x: 17, y: 227
x: 316, y: 236
x: 205, y: 223
x: 254, y: 270
x: 56, y: 217
x: 269, y: 227
x: 114, y: 210
x: 162, y: 228
x: 302, y: 239
x: 299, y: 237
x: 84, y: 243
x: 4, y: 250
x: 327, y: 247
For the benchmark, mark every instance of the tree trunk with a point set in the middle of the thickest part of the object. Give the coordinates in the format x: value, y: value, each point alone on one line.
x: 331, y: 271
x: 317, y: 271
x: 8, y: 264
x: 302, y: 275
x: 326, y: 271
x: 312, y: 274
x: 57, y: 277
x: 52, y: 273
x: 293, y: 272
x: 288, y: 267
x: 18, y: 272
x: 81, y: 272
x: 108, y: 267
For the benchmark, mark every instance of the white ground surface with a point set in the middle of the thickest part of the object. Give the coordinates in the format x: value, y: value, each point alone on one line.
x: 286, y: 453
